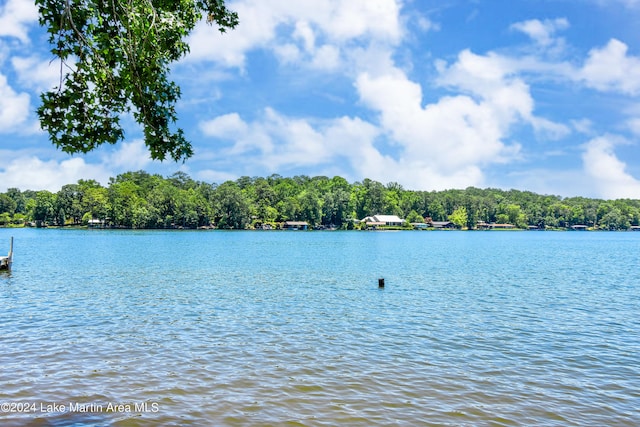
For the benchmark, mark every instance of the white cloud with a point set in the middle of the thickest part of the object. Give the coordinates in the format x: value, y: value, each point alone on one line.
x: 36, y: 73
x: 610, y: 69
x: 584, y: 126
x: 128, y: 156
x: 426, y: 24
x: 288, y: 53
x: 225, y: 126
x: 304, y: 32
x: 565, y: 183
x: 357, y: 18
x: 326, y: 58
x: 277, y: 24
x: 400, y: 127
x: 547, y: 129
x: 634, y: 125
x: 245, y: 137
x: 450, y: 139
x: 608, y: 173
x: 14, y: 107
x: 494, y: 79
x: 28, y: 171
x: 489, y: 78
x: 542, y: 32
x: 445, y: 143
x: 354, y: 139
x: 229, y: 49
x: 282, y: 141
x: 32, y: 173
x: 300, y: 143
x: 287, y: 143
x: 210, y: 175
x: 476, y: 73
x: 15, y: 18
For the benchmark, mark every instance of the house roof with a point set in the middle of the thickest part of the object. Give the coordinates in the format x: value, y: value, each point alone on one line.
x: 442, y: 224
x: 387, y: 218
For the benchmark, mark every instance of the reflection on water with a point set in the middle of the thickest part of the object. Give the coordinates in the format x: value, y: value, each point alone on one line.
x: 284, y: 328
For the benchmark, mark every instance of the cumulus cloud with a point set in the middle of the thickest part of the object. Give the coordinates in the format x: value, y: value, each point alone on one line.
x: 548, y: 130
x: 128, y: 156
x: 302, y: 24
x: 426, y: 24
x: 542, y: 32
x: 422, y: 143
x: 398, y: 131
x: 439, y: 143
x: 607, y: 172
x: 611, y: 69
x: 565, y: 182
x: 32, y: 173
x: 244, y: 136
x: 440, y: 146
x: 14, y: 107
x: 489, y: 78
x: 287, y: 143
x: 214, y: 176
x: 35, y: 73
x: 28, y: 171
x: 444, y: 142
x: 299, y: 142
x: 281, y: 141
x: 634, y: 125
x: 15, y: 18
x: 455, y: 135
x: 584, y: 126
x: 224, y: 126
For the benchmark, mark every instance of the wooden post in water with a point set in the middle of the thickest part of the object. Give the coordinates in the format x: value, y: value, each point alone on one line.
x: 5, y: 261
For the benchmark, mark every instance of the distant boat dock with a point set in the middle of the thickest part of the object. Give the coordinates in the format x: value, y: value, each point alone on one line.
x: 5, y: 261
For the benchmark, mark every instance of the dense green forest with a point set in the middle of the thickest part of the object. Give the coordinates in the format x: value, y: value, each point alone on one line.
x: 143, y: 200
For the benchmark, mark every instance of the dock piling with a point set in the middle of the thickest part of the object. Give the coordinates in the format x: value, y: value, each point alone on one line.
x: 5, y: 261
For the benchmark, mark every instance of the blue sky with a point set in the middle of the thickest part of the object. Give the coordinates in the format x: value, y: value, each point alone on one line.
x: 538, y: 95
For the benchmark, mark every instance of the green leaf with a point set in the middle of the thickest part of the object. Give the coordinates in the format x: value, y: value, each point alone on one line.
x: 120, y: 54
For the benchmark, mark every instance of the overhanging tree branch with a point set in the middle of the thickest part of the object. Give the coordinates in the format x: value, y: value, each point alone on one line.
x: 121, y: 51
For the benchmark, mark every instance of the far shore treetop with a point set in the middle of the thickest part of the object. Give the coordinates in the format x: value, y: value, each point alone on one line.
x: 143, y: 200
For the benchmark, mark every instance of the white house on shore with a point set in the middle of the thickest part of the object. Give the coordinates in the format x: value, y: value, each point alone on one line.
x: 381, y: 220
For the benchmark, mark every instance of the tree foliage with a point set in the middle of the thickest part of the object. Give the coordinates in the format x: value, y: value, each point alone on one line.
x: 114, y: 59
x: 459, y: 217
x: 142, y: 200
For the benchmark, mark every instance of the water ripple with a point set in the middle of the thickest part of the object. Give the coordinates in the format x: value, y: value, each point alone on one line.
x: 499, y: 329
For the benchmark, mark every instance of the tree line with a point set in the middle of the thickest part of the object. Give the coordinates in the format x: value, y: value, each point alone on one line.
x: 143, y: 200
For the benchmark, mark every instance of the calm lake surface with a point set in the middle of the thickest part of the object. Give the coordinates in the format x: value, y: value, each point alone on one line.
x: 213, y: 328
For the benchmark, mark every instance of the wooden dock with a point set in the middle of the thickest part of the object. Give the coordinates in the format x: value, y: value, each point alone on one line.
x: 5, y: 261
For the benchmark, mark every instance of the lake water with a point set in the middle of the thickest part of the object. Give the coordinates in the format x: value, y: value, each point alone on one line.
x: 138, y: 328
